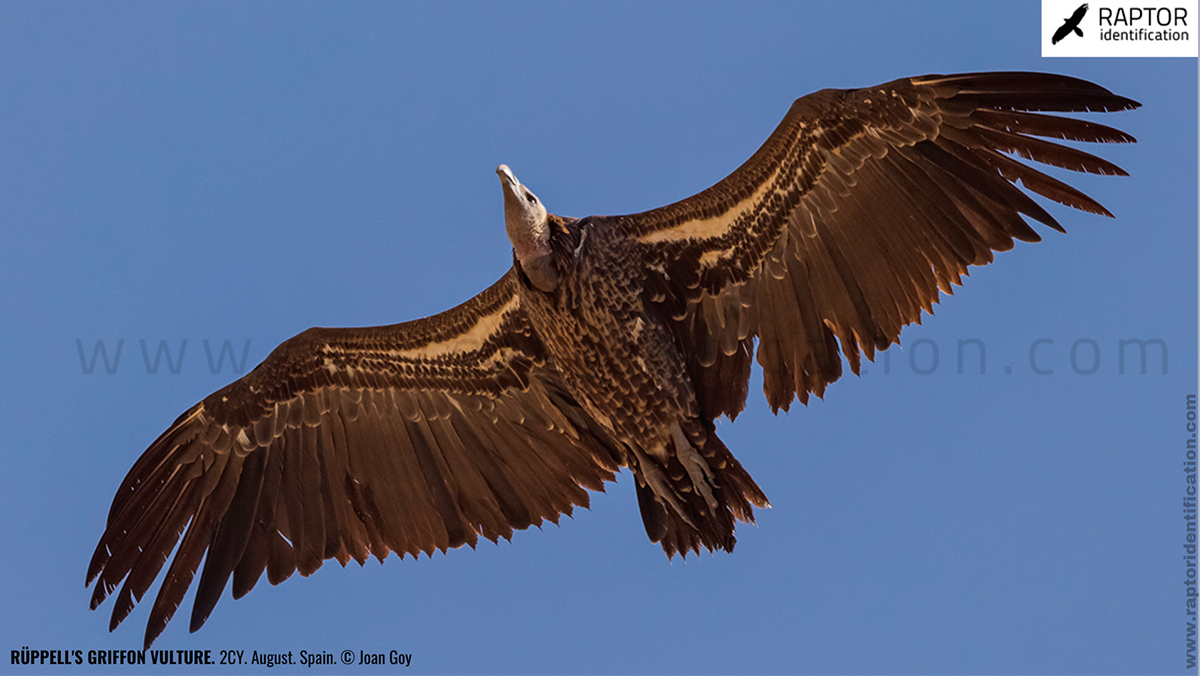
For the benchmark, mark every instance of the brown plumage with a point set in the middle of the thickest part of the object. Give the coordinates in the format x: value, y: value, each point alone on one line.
x: 614, y: 341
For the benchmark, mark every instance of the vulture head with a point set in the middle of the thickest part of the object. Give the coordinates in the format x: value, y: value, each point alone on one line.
x: 528, y: 227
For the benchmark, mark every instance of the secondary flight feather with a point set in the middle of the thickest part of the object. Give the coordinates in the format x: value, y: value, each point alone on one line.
x: 613, y: 342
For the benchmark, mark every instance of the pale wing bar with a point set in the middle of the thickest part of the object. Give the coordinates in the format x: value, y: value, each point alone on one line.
x: 858, y: 210
x: 350, y: 459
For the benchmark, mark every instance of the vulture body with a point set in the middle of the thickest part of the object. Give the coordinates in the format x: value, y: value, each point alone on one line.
x: 614, y: 341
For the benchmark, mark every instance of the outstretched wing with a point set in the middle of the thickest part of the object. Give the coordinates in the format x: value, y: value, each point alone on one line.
x: 848, y: 221
x: 347, y: 443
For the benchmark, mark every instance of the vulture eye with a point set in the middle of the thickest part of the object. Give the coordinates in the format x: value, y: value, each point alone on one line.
x: 530, y: 198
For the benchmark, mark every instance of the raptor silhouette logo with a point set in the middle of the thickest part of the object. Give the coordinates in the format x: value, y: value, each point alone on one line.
x: 1070, y: 25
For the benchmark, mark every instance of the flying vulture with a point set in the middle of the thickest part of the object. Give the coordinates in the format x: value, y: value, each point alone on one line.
x: 613, y: 341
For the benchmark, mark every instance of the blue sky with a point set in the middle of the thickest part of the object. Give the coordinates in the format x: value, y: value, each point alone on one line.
x: 212, y: 172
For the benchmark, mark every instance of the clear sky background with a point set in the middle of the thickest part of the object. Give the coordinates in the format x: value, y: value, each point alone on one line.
x: 213, y: 172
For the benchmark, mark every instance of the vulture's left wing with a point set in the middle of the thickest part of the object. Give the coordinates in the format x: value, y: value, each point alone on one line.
x: 347, y: 443
x: 843, y: 227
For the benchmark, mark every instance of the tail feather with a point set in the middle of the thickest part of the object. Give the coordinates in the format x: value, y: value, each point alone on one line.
x: 676, y: 513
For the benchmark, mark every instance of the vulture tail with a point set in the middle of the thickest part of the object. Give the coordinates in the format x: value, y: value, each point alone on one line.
x: 697, y: 495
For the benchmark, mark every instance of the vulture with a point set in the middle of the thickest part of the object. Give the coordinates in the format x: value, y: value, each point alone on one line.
x: 612, y: 342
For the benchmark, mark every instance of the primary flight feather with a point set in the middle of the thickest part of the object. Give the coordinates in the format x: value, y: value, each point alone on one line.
x: 614, y: 341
